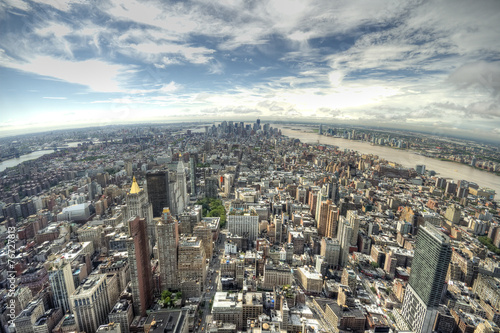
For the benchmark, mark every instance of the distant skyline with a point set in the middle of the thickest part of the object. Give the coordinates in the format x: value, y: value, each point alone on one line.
x: 430, y: 66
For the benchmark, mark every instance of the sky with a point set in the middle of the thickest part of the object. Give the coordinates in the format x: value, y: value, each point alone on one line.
x: 418, y: 65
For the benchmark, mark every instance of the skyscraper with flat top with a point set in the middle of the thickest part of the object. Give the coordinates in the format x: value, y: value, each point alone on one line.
x: 90, y: 303
x: 158, y: 190
x: 167, y: 230
x: 140, y: 265
x: 427, y: 278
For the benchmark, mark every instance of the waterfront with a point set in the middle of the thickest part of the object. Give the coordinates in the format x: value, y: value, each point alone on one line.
x: 406, y: 158
x: 16, y: 161
x: 12, y: 162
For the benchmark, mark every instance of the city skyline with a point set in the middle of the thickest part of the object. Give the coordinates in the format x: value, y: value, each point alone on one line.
x: 421, y: 66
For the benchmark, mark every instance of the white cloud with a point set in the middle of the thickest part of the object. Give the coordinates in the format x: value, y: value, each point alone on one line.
x: 97, y: 75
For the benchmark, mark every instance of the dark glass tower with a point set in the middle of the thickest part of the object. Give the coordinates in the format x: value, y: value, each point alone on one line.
x: 427, y: 279
x: 158, y: 190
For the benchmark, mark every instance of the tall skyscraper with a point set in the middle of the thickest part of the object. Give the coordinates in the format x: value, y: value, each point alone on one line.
x: 140, y: 265
x: 353, y: 218
x: 61, y: 282
x: 180, y: 198
x: 191, y: 266
x: 167, y: 231
x: 90, y: 303
x: 322, y: 217
x: 139, y: 205
x: 345, y: 236
x: 158, y: 190
x: 331, y: 225
x: 211, y: 187
x: 427, y: 278
x: 192, y: 174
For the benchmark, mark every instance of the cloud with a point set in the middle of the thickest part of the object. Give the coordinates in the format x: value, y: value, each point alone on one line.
x: 97, y: 75
x: 481, y: 74
x: 49, y: 97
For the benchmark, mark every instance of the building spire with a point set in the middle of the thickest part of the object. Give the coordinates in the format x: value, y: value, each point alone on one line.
x: 135, y: 187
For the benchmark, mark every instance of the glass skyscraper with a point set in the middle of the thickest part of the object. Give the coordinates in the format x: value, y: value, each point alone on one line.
x: 427, y: 278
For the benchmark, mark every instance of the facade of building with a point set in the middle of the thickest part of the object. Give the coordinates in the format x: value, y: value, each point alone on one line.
x: 191, y: 264
x: 90, y: 303
x: 345, y: 236
x: 62, y: 284
x: 427, y: 278
x: 138, y: 205
x: 276, y: 275
x: 122, y: 314
x: 243, y: 223
x: 310, y: 279
x: 140, y: 265
x: 158, y: 190
x: 330, y: 249
x: 486, y: 287
x: 167, y: 230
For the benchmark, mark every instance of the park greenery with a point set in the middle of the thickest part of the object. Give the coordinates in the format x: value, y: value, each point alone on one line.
x: 213, y: 208
x: 169, y: 299
x: 489, y: 244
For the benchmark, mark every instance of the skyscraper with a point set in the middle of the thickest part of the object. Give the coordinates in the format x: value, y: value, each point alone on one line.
x: 192, y: 174
x: 140, y: 265
x: 180, y: 198
x: 139, y: 205
x: 61, y: 282
x: 167, y: 231
x: 158, y: 190
x: 427, y: 278
x: 353, y: 218
x: 211, y: 187
x: 90, y: 303
x: 345, y: 236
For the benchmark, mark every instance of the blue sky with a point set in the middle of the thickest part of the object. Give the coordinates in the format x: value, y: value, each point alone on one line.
x: 431, y: 65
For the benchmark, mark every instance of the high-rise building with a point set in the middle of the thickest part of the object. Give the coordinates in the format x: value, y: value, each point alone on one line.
x: 122, y: 314
x: 353, y: 218
x: 158, y: 190
x: 191, y: 265
x: 211, y: 187
x: 167, y: 230
x: 323, y: 217
x: 139, y: 205
x: 179, y: 199
x: 427, y: 278
x: 203, y: 231
x: 345, y: 236
x: 61, y: 283
x: 90, y: 303
x: 140, y: 265
x: 192, y: 174
x: 330, y: 249
x: 332, y: 221
x: 420, y: 169
x: 244, y: 223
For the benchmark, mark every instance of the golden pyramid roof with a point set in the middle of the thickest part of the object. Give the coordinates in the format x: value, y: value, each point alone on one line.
x: 135, y: 187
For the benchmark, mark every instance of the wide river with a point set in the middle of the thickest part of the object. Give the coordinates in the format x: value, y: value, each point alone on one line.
x: 406, y: 158
x: 12, y: 162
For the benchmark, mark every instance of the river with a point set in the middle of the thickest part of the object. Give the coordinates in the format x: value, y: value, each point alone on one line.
x: 12, y: 162
x: 15, y: 161
x: 406, y: 158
